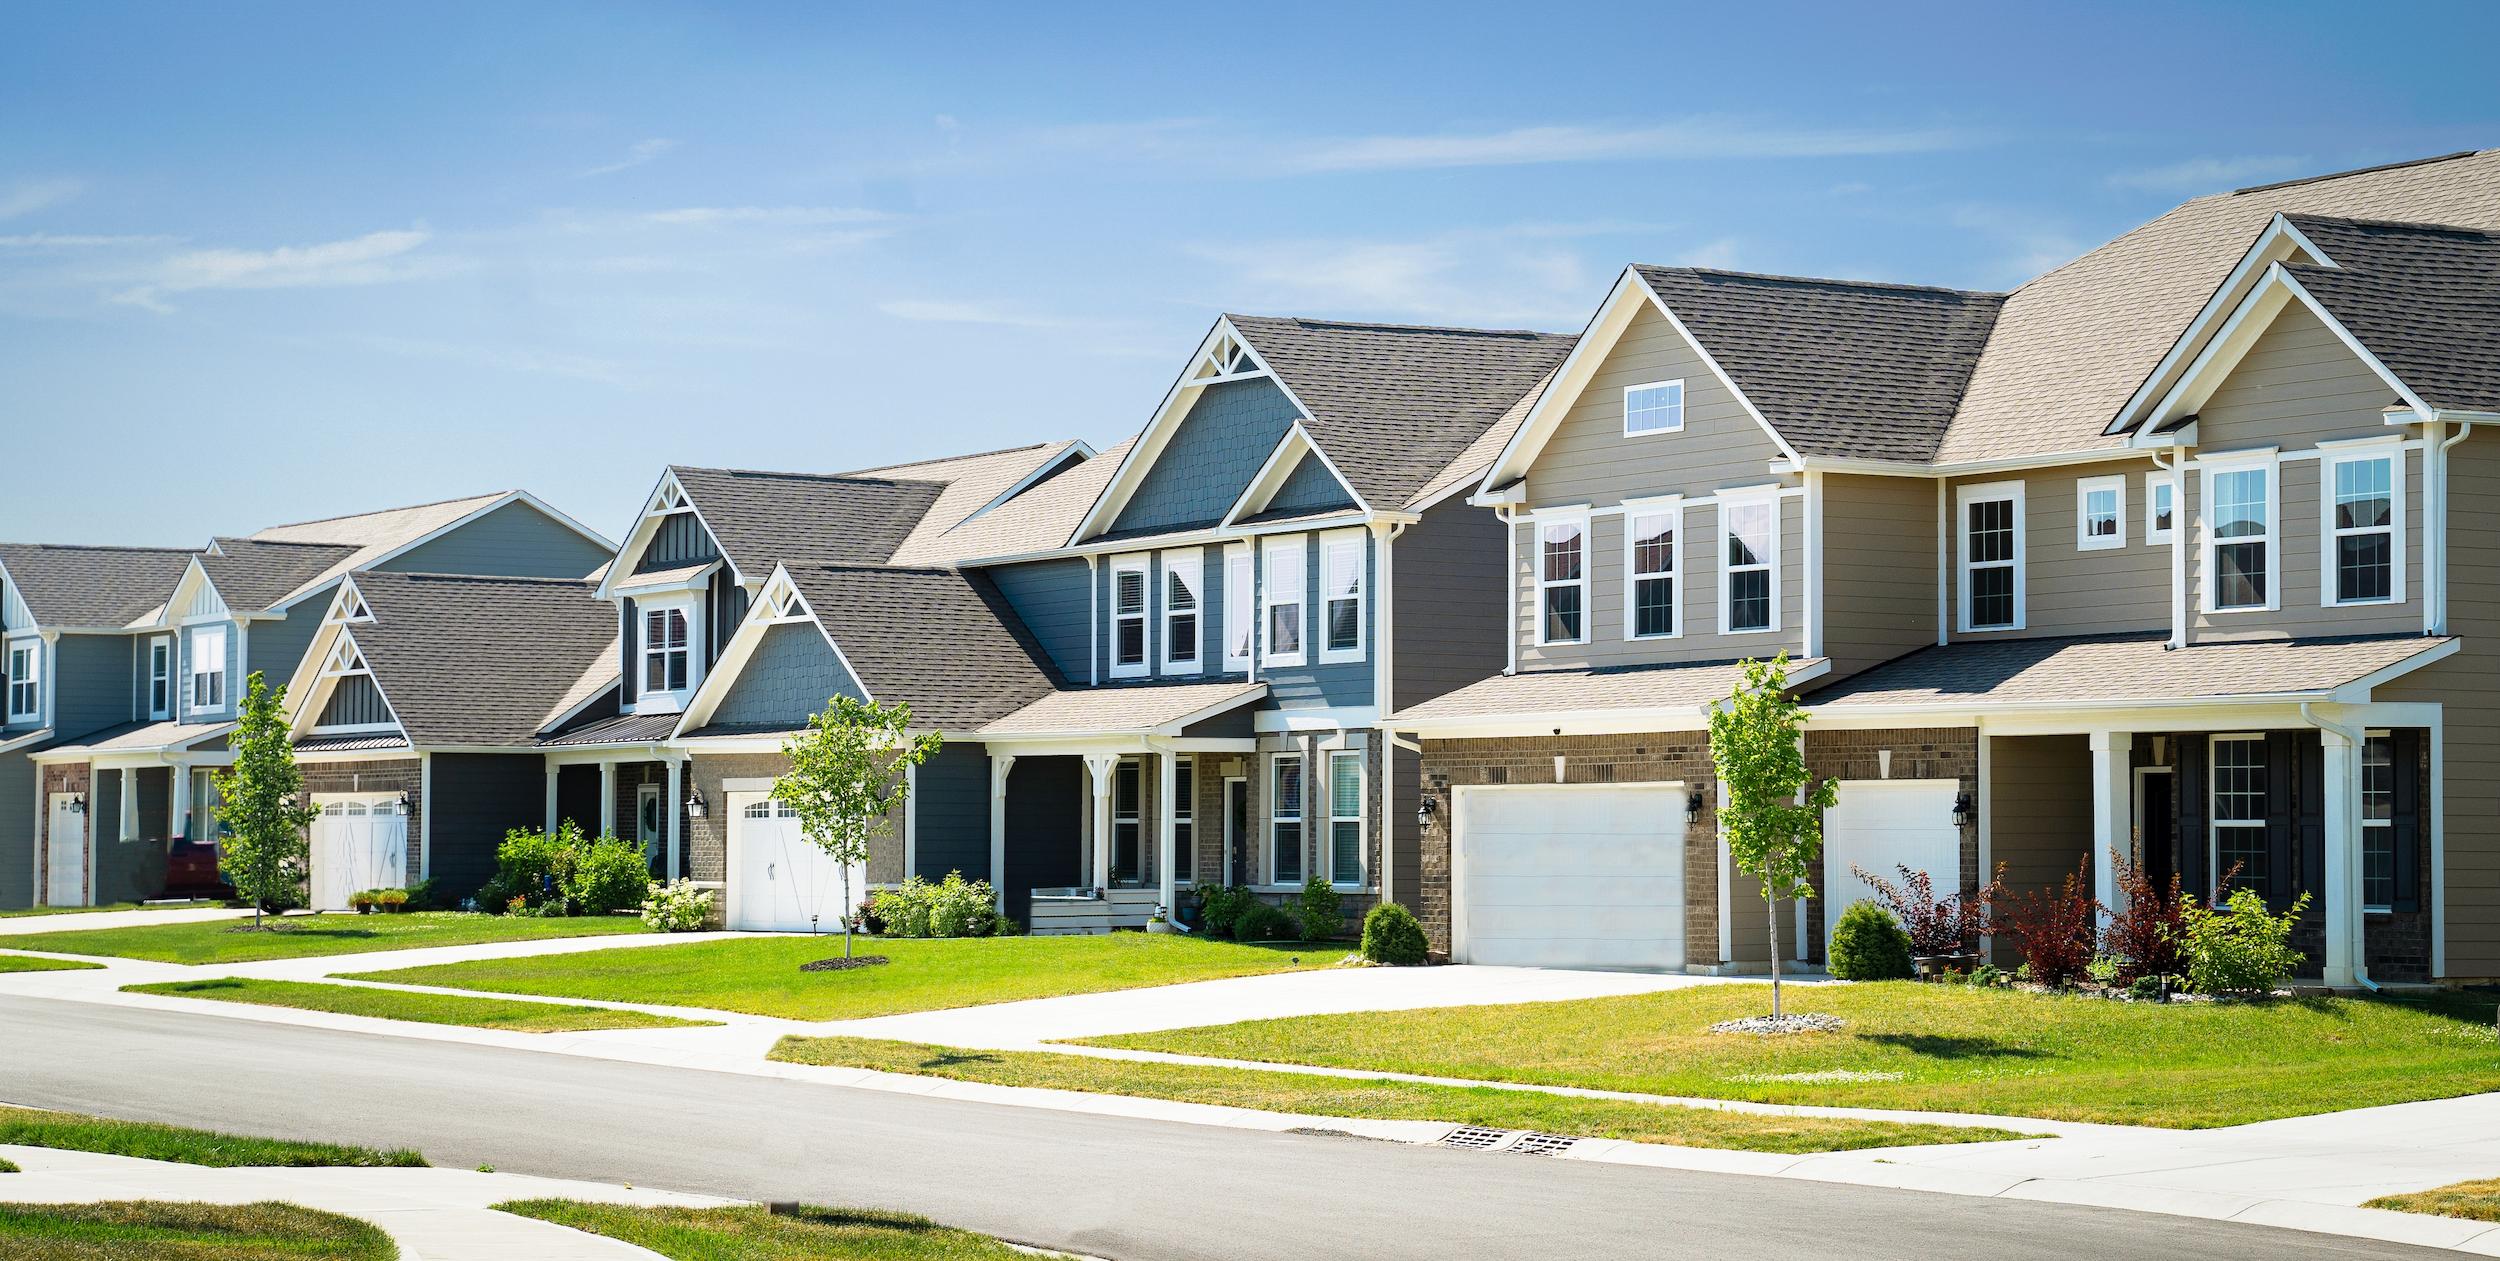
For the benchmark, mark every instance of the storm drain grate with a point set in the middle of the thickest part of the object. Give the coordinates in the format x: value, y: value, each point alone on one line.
x: 1475, y: 1138
x: 1534, y: 1144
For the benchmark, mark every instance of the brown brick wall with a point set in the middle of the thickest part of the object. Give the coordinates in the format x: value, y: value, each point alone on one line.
x: 61, y: 777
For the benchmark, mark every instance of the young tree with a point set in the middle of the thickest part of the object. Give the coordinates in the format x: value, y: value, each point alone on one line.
x: 846, y: 775
x: 1773, y: 817
x: 260, y: 802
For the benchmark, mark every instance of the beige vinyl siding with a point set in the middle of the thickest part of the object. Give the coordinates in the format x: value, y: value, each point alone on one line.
x: 2039, y: 810
x: 2297, y: 385
x: 1589, y: 460
x: 1879, y: 568
x: 1699, y: 610
x: 2066, y: 590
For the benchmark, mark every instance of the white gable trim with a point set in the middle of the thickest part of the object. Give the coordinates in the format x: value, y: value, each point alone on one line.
x: 178, y: 605
x: 1076, y: 452
x: 659, y: 503
x: 313, y: 588
x: 1280, y: 465
x: 339, y: 656
x: 2279, y: 242
x: 2231, y: 343
x: 1598, y: 341
x: 780, y: 603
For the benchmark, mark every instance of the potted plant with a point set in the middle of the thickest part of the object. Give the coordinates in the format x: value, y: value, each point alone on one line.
x: 1158, y: 922
x: 361, y: 901
x: 392, y: 901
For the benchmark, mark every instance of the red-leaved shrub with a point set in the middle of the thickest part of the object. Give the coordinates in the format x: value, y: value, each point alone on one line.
x: 1937, y: 926
x: 2056, y: 930
x: 2148, y: 937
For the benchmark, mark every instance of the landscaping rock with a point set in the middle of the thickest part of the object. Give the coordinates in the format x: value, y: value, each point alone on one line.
x: 842, y: 965
x: 1778, y: 1025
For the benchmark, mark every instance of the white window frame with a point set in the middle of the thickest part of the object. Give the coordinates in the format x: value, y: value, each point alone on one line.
x: 1142, y: 567
x: 2158, y: 486
x: 1241, y: 580
x: 1272, y: 597
x: 1334, y: 548
x: 1634, y: 510
x: 160, y: 675
x: 1190, y: 566
x: 2387, y: 825
x: 31, y: 681
x: 1276, y: 817
x: 2328, y: 532
x: 1673, y: 406
x: 2209, y: 469
x: 1577, y: 519
x: 661, y: 700
x: 1989, y: 492
x: 1362, y: 864
x: 2214, y: 822
x: 1729, y: 501
x: 192, y: 701
x: 2085, y: 489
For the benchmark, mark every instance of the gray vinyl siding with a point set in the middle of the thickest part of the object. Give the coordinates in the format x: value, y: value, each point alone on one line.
x: 792, y: 675
x: 1879, y: 569
x: 513, y: 541
x: 1446, y: 589
x: 1589, y: 460
x: 1317, y: 684
x: 678, y: 541
x: 1310, y: 488
x: 2066, y: 590
x: 476, y: 798
x: 277, y: 648
x: 1050, y: 597
x: 356, y: 701
x: 1229, y: 432
x: 1699, y: 619
x: 951, y: 813
x: 89, y: 683
x: 17, y: 831
x: 2039, y: 810
x: 156, y: 802
x: 139, y: 681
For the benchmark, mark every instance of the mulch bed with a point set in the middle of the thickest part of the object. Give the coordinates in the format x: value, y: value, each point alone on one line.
x: 842, y: 965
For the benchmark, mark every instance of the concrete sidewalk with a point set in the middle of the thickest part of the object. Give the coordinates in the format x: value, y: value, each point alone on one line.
x: 81, y: 921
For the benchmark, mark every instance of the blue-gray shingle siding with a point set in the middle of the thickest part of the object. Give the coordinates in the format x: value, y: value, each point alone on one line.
x: 1329, y: 685
x: 278, y: 647
x: 1218, y: 447
x: 1311, y: 487
x: 1050, y: 597
x: 951, y: 814
x: 513, y: 541
x: 90, y: 680
x: 790, y: 676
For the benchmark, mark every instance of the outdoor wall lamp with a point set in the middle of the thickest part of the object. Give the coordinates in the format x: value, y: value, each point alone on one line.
x: 1961, y: 810
x: 1558, y: 756
x: 1425, y: 812
x: 696, y: 806
x: 78, y: 805
x: 407, y: 804
x: 1692, y: 807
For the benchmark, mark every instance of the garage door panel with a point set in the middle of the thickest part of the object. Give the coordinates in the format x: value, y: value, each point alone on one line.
x: 1883, y: 826
x: 1603, y: 923
x: 781, y: 881
x: 1583, y: 952
x: 1573, y: 854
x: 1570, y: 877
x: 1574, y: 890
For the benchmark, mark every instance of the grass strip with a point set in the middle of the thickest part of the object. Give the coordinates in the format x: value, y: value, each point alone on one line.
x: 148, y: 1140
x: 513, y: 1015
x: 749, y: 1233
x: 160, y: 1231
x: 1270, y: 1090
x: 30, y: 963
x: 2477, y: 1201
x: 28, y: 911
x: 307, y: 936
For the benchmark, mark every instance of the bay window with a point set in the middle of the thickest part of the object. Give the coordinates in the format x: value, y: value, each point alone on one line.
x: 2364, y: 549
x: 1562, y: 580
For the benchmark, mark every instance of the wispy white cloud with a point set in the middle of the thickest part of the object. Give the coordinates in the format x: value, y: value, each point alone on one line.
x: 2030, y: 242
x: 769, y: 216
x: 373, y: 258
x: 1690, y: 138
x: 79, y: 240
x: 2209, y: 175
x: 947, y: 311
x: 1721, y: 253
x: 25, y: 197
x: 643, y: 151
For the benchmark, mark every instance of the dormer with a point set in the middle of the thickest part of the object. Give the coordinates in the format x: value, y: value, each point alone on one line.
x: 674, y: 588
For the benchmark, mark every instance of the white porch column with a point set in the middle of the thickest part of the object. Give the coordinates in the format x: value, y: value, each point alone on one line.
x: 1001, y: 764
x: 554, y: 773
x: 1098, y: 770
x: 2341, y: 888
x: 1167, y: 787
x: 607, y: 799
x: 130, y: 803
x: 181, y: 800
x: 2113, y: 824
x: 671, y: 807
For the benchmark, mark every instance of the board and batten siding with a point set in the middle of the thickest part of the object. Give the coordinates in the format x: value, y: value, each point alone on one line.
x: 513, y: 541
x: 2066, y: 589
x: 1698, y: 611
x: 1449, y: 619
x: 477, y: 798
x: 1589, y: 460
x: 1879, y: 569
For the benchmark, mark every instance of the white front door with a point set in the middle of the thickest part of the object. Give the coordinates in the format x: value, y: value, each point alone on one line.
x: 1884, y: 825
x: 65, y: 861
x: 779, y: 881
x: 1569, y: 876
x: 359, y: 841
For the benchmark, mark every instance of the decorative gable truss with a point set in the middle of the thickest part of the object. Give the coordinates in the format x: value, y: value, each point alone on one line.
x: 668, y: 509
x: 779, y: 604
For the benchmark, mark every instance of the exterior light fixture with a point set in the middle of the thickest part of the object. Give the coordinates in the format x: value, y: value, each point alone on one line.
x: 696, y: 806
x: 78, y: 805
x: 1425, y: 812
x: 407, y: 804
x: 1961, y: 810
x: 1558, y: 756
x: 1692, y: 807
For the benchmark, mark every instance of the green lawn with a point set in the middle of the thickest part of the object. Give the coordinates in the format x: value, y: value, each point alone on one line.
x: 2479, y: 1201
x: 754, y: 1234
x: 29, y: 963
x: 1379, y: 1098
x: 159, y: 1231
x: 23, y: 912
x: 146, y: 1140
x: 299, y: 936
x: 761, y: 975
x: 515, y: 1015
x: 1932, y: 1047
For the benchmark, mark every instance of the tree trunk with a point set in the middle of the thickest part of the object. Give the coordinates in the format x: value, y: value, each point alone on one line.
x: 1773, y: 904
x: 850, y: 913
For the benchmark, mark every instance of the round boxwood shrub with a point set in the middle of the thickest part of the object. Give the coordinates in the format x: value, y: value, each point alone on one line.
x: 1261, y: 921
x: 1391, y: 935
x: 1868, y: 944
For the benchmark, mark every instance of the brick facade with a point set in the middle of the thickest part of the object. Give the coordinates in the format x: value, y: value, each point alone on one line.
x: 61, y: 777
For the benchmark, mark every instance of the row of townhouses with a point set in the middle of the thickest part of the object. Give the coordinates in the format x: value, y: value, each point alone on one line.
x: 2174, y: 555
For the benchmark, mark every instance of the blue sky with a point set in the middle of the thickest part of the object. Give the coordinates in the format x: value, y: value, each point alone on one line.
x: 267, y: 262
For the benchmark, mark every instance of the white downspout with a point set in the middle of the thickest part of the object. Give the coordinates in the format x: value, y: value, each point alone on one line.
x: 1510, y: 577
x: 2435, y: 514
x: 2344, y: 883
x: 1384, y: 699
x: 1945, y: 577
x: 1093, y: 620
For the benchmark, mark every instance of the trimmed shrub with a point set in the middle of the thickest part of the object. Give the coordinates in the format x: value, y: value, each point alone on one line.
x: 1262, y: 922
x: 2240, y: 947
x: 1319, y: 910
x: 1868, y: 944
x: 606, y: 876
x: 1220, y: 908
x: 962, y: 908
x: 529, y: 864
x: 1391, y: 936
x: 902, y: 911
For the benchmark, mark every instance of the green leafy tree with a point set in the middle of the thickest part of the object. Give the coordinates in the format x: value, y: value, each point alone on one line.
x: 1773, y: 816
x: 260, y: 803
x: 846, y: 776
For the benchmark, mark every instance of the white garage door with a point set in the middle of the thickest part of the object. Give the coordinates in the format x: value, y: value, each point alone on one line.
x: 1577, y: 877
x: 359, y: 841
x: 1884, y: 825
x: 779, y: 881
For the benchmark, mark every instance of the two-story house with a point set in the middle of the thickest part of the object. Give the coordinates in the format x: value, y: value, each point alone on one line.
x: 2149, y: 560
x: 240, y: 607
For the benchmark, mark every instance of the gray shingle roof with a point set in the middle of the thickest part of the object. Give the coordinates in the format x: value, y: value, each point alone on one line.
x: 2425, y: 298
x: 763, y: 519
x: 2114, y: 669
x: 1839, y: 367
x: 943, y: 641
x: 93, y: 586
x: 1041, y: 518
x: 251, y: 575
x: 1394, y: 404
x: 1693, y: 686
x: 1140, y: 708
x: 476, y: 660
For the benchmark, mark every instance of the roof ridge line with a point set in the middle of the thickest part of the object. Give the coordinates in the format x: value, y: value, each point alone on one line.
x: 1397, y: 327
x: 1823, y: 280
x: 2358, y: 170
x: 109, y: 547
x: 378, y: 512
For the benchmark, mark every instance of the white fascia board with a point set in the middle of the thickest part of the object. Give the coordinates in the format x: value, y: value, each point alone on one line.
x: 2238, y: 334
x: 2279, y: 241
x: 1198, y: 538
x: 1597, y: 340
x: 32, y: 737
x: 1167, y: 417
x: 1279, y: 465
x: 640, y: 538
x: 1077, y: 451
x: 699, y: 580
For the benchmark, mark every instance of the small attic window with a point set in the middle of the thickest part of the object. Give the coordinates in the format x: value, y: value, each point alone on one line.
x: 1657, y: 407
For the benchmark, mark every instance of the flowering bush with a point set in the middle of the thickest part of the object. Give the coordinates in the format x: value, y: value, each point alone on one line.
x: 1948, y: 925
x: 676, y: 907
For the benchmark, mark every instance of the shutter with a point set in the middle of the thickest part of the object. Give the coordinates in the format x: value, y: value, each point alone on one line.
x: 2312, y: 822
x: 2407, y: 750
x: 2282, y: 766
x: 632, y: 628
x: 2195, y: 839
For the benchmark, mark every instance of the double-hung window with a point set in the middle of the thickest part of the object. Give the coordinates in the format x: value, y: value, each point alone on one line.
x: 1651, y: 539
x: 1749, y: 579
x: 1241, y: 610
x: 1284, y: 819
x: 1285, y: 595
x: 2378, y: 822
x: 2240, y: 572
x: 2161, y: 507
x: 1184, y: 575
x: 26, y: 679
x: 1341, y: 560
x: 1127, y: 798
x: 160, y: 677
x: 2100, y: 513
x: 665, y: 650
x: 1992, y: 556
x: 1128, y: 616
x: 2239, y: 812
x: 1562, y: 580
x: 1345, y: 818
x: 208, y: 668
x: 1184, y: 819
x: 2364, y: 549
x: 1657, y: 407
